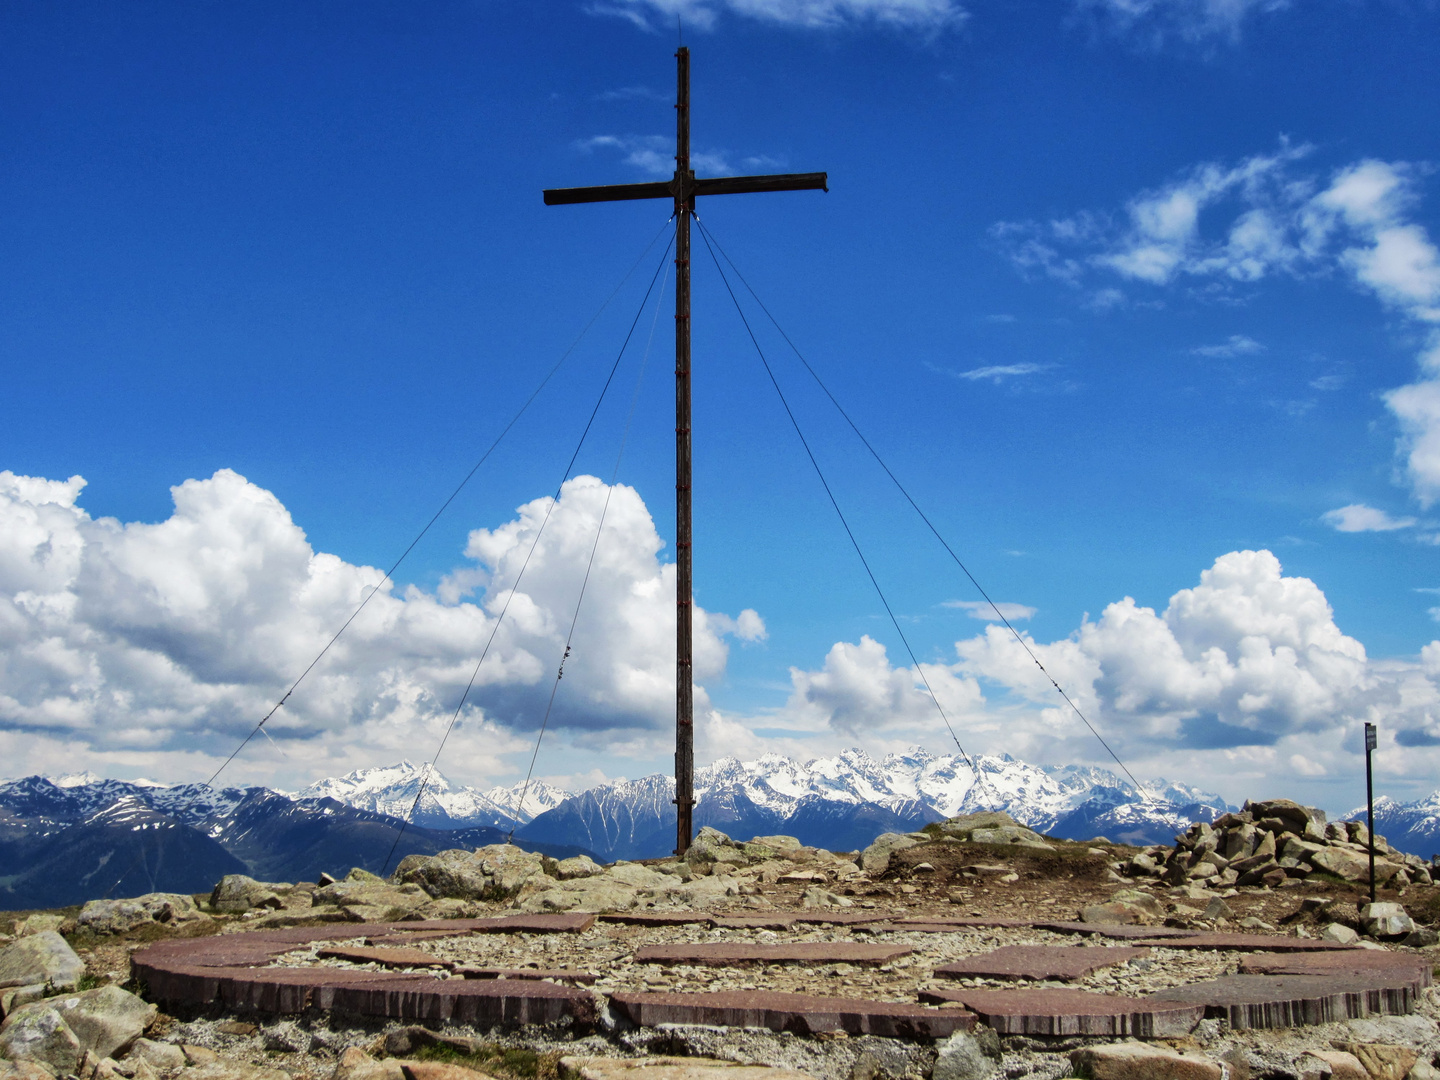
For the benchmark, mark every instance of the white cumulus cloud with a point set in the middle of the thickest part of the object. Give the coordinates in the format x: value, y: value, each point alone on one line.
x: 166, y: 642
x: 1229, y: 683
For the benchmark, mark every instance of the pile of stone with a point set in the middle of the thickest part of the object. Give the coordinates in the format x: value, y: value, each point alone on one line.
x: 714, y: 869
x: 993, y: 827
x: 1271, y: 841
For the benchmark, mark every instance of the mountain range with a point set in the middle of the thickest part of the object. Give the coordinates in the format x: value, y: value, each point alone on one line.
x: 70, y: 838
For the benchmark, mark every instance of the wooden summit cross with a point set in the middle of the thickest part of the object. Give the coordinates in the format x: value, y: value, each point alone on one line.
x: 683, y: 188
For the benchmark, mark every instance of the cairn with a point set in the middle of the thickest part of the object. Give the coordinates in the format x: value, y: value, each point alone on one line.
x: 1272, y: 841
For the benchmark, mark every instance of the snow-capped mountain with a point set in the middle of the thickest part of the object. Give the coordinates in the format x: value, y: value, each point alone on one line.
x: 844, y: 801
x: 1412, y: 827
x: 391, y: 789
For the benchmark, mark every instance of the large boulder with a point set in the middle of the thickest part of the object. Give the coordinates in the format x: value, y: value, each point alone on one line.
x: 1353, y: 865
x: 38, y: 923
x: 120, y: 916
x: 107, y: 1021
x: 236, y: 894
x: 367, y: 897
x: 581, y: 866
x: 1008, y: 834
x: 1384, y: 920
x: 968, y: 1056
x: 875, y: 859
x: 45, y: 957
x: 963, y: 825
x: 39, y: 1033
x: 488, y: 873
x: 1142, y: 1061
x: 1126, y: 907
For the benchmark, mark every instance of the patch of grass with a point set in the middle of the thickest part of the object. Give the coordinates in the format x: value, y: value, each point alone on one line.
x: 499, y: 1061
x: 89, y: 982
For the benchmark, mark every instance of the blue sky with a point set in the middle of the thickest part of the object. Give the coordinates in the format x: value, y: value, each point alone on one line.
x: 1118, y: 287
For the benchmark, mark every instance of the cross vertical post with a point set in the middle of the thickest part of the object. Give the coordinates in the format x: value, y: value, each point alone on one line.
x: 684, y: 569
x: 683, y: 188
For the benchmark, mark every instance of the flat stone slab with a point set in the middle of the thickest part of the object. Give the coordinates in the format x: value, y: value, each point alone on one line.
x: 565, y: 922
x: 1402, y: 966
x: 1040, y: 962
x: 1276, y: 1001
x: 798, y: 1013
x: 1251, y: 943
x: 1060, y: 1011
x: 840, y: 918
x: 656, y: 918
x: 558, y: 974
x: 798, y: 952
x: 753, y: 922
x: 392, y: 958
x: 657, y: 1067
x: 1117, y: 930
x: 961, y: 922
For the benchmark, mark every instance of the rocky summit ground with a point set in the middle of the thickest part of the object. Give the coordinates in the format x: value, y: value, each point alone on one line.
x: 894, y: 914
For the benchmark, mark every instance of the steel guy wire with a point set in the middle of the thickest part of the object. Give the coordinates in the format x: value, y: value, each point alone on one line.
x: 979, y: 778
x: 1019, y: 638
x: 515, y: 586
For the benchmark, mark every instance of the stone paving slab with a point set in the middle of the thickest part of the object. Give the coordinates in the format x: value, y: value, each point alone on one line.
x: 1251, y: 943
x: 559, y: 974
x: 408, y: 938
x: 1402, y: 966
x: 725, y: 954
x: 1116, y: 930
x: 798, y: 1013
x: 386, y: 957
x: 1061, y: 1011
x: 964, y: 922
x: 1276, y: 1001
x: 657, y: 918
x: 841, y: 918
x: 482, y: 1002
x: 753, y: 922
x: 1040, y: 962
x: 567, y: 922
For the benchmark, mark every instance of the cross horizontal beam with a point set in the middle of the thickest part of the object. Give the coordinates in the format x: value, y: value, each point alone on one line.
x: 665, y: 189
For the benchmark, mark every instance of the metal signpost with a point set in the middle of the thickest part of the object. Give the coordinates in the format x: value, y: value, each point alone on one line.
x: 683, y: 188
x: 1370, y: 803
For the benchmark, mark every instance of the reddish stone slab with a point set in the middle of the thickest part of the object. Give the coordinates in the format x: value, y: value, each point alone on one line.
x: 753, y: 922
x: 798, y: 952
x: 972, y: 922
x: 798, y: 1013
x: 558, y: 974
x: 656, y: 918
x: 393, y: 958
x: 1274, y: 1001
x: 1402, y: 966
x: 840, y: 918
x: 409, y: 938
x: 1251, y: 942
x: 482, y: 1002
x: 1045, y: 1011
x: 1119, y: 932
x: 1040, y: 962
x: 568, y: 922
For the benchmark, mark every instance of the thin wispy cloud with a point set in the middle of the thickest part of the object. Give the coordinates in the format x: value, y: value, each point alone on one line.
x: 1237, y: 345
x: 653, y: 154
x: 1219, y: 230
x: 982, y: 610
x: 1156, y: 21
x: 924, y: 16
x: 998, y: 373
x: 1357, y: 517
x: 632, y: 93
